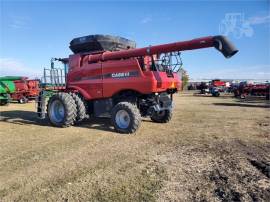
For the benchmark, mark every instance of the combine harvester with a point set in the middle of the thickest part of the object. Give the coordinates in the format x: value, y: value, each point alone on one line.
x: 17, y: 88
x: 108, y: 76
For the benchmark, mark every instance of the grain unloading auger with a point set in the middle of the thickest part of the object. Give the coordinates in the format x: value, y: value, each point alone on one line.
x: 221, y: 43
x: 108, y: 76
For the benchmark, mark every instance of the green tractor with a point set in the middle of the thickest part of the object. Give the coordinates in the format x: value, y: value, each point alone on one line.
x: 7, y: 87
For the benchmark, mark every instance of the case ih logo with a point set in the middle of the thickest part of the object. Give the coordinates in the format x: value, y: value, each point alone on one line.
x: 116, y: 75
x: 120, y: 74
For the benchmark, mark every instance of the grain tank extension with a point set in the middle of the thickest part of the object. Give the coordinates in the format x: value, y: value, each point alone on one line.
x: 108, y: 76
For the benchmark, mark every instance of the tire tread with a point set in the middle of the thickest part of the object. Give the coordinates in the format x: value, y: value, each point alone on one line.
x: 165, y: 119
x: 135, y: 117
x: 70, y: 109
x: 81, y: 109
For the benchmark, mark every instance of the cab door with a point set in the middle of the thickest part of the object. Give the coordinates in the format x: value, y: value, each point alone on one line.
x: 88, y: 80
x: 92, y: 80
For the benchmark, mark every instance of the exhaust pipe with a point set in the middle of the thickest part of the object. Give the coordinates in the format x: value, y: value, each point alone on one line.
x: 222, y: 44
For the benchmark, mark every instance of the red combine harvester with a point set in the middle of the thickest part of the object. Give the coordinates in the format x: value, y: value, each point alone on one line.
x: 243, y: 90
x: 108, y: 76
x: 25, y: 90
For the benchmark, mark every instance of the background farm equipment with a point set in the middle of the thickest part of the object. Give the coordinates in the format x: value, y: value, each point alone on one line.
x: 214, y: 87
x: 19, y: 89
x: 244, y: 89
x: 25, y: 90
x: 108, y: 76
x: 7, y: 87
x: 203, y: 87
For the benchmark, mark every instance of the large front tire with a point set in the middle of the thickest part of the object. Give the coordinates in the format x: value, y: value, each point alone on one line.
x: 62, y: 110
x: 80, y: 106
x: 162, y: 117
x: 126, y: 117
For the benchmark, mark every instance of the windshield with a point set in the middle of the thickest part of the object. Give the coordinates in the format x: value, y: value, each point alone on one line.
x: 169, y: 62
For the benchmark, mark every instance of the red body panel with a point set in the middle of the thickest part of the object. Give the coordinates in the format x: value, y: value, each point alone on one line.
x: 25, y: 88
x: 103, y: 79
x: 218, y: 83
x: 33, y: 86
x: 21, y: 86
x: 257, y: 89
x: 103, y: 74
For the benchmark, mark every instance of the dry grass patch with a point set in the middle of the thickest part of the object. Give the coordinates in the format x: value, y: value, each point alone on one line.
x: 204, y: 153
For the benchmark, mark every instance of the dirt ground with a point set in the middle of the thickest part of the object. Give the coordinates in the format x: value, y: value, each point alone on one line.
x: 214, y: 149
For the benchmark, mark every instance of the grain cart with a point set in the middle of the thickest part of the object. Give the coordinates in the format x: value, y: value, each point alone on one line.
x: 7, y: 87
x: 108, y: 76
x: 18, y: 88
x: 26, y: 89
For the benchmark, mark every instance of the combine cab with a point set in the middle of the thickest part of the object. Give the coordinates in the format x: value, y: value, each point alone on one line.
x: 108, y: 76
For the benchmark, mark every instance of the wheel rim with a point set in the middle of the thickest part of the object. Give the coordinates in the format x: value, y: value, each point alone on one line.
x: 161, y: 113
x: 57, y: 111
x: 122, y: 119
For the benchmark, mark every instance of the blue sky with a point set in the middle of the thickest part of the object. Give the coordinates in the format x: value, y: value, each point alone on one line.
x: 33, y: 32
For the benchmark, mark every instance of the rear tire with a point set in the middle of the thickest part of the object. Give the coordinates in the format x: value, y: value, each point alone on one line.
x: 126, y: 117
x: 162, y: 117
x: 23, y: 100
x: 61, y: 110
x: 216, y: 94
x: 4, y: 103
x: 81, y: 110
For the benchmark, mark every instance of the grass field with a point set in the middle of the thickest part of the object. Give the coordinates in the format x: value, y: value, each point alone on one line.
x: 214, y: 149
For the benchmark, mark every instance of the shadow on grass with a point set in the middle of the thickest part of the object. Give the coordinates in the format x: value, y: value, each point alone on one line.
x: 241, y: 105
x: 222, y: 96
x: 254, y: 100
x: 103, y: 124
x: 30, y: 118
x: 22, y: 117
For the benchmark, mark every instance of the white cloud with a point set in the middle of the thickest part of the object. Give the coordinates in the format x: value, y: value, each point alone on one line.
x: 256, y: 20
x: 19, y: 22
x: 236, y: 24
x: 146, y: 20
x: 14, y: 67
